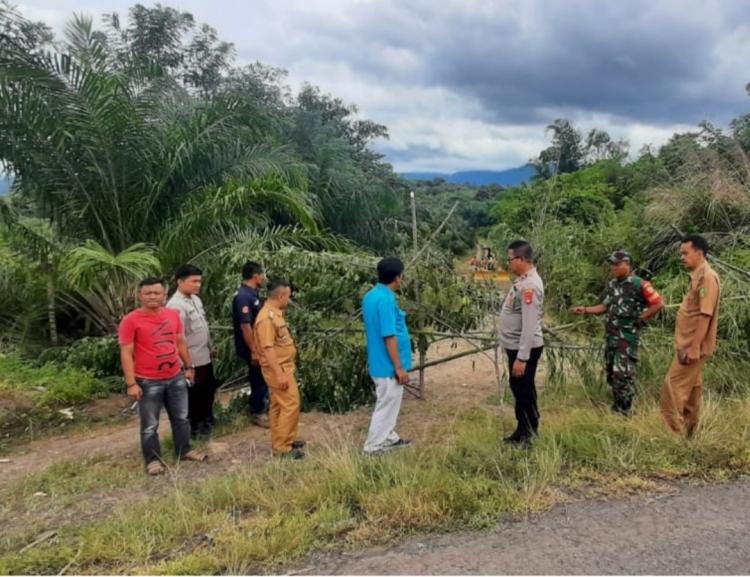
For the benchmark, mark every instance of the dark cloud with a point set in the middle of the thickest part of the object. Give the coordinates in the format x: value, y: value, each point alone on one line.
x: 617, y: 59
x: 659, y: 63
x: 472, y: 83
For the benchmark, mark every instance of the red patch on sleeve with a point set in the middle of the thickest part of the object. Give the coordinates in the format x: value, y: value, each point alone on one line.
x: 528, y: 296
x: 649, y: 293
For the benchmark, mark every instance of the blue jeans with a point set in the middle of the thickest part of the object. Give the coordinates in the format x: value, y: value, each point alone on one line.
x: 172, y: 394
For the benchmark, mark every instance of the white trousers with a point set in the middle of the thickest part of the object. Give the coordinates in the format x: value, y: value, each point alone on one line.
x: 382, y: 432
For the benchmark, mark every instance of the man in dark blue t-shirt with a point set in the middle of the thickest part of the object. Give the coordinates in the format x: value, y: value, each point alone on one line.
x: 245, y: 308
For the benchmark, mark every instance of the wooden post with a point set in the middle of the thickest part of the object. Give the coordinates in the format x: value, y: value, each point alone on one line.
x: 421, y: 340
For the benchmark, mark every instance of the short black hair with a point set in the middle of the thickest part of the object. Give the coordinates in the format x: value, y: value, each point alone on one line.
x: 151, y: 280
x: 276, y: 284
x: 250, y: 269
x: 389, y: 269
x: 698, y: 242
x: 187, y: 270
x: 522, y: 249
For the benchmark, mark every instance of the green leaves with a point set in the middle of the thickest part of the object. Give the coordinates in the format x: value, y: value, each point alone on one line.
x: 103, y: 284
x: 213, y: 217
x: 91, y: 267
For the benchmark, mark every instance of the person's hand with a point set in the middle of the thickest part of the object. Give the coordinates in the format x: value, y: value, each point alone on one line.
x: 282, y: 381
x: 692, y: 355
x: 254, y: 359
x: 190, y: 375
x: 519, y: 368
x: 135, y: 392
x: 214, y: 352
x: 402, y: 376
x: 578, y: 310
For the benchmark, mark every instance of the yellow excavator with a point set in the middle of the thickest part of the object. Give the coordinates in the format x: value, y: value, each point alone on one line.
x: 485, y: 266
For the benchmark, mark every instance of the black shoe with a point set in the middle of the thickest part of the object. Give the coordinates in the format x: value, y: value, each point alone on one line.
x: 524, y: 442
x: 299, y: 444
x: 400, y: 443
x: 517, y: 439
x: 513, y: 438
x: 622, y: 411
x: 294, y: 455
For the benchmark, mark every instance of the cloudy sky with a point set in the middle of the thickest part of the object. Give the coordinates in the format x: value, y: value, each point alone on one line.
x: 464, y: 84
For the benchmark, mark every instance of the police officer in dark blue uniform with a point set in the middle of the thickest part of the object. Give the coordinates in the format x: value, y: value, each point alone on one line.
x: 245, y: 308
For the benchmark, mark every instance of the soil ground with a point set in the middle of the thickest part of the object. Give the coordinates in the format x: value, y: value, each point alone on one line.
x: 465, y: 382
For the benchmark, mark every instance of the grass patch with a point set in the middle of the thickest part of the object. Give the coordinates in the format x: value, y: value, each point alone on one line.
x: 38, y: 398
x: 263, y: 518
x: 51, y: 384
x: 75, y: 478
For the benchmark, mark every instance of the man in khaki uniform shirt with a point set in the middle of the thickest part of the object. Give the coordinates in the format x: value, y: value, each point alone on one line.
x: 277, y: 356
x: 695, y: 339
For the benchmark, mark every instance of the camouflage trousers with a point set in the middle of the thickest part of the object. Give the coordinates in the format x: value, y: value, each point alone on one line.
x: 621, y: 359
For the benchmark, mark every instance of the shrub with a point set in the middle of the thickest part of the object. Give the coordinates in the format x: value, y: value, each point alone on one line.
x: 100, y: 355
x: 51, y: 384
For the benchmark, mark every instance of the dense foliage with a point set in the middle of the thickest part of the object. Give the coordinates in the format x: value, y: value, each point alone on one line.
x: 471, y: 219
x: 139, y: 145
x: 697, y: 182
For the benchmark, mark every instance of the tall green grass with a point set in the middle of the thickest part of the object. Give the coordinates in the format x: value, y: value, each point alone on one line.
x: 263, y: 518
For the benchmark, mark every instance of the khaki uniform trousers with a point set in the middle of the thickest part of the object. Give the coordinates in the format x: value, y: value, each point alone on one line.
x: 681, y: 396
x: 283, y: 412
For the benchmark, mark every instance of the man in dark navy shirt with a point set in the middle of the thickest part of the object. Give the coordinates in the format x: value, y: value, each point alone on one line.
x: 245, y: 308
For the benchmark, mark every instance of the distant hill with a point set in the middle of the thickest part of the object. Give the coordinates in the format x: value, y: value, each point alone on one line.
x: 510, y: 177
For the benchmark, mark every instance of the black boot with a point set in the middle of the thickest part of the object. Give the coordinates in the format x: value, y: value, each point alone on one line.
x: 513, y: 438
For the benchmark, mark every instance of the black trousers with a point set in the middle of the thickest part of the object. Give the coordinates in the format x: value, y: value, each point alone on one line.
x: 201, y: 396
x: 524, y: 391
x: 258, y: 390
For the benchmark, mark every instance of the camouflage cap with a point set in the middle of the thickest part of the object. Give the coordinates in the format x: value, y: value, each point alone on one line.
x: 619, y: 256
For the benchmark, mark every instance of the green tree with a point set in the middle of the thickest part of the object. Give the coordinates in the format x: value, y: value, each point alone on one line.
x: 566, y: 154
x: 356, y: 191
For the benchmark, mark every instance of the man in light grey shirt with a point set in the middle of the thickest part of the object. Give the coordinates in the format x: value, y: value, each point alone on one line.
x: 521, y: 337
x: 202, y: 391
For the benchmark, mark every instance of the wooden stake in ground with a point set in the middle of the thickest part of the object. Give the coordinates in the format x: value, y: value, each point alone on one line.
x: 421, y: 341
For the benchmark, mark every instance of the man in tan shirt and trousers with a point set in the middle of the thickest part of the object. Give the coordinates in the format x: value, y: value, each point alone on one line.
x: 277, y: 361
x: 695, y: 339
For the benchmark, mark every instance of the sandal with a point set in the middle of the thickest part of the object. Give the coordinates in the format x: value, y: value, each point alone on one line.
x: 155, y: 468
x: 195, y: 456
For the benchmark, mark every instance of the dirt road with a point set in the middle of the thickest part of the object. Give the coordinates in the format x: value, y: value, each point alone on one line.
x: 696, y: 530
x: 467, y: 381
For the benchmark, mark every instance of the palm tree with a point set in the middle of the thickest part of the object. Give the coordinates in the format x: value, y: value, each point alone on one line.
x: 110, y: 156
x: 102, y: 285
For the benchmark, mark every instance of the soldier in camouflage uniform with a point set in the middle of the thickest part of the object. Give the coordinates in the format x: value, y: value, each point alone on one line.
x: 628, y: 302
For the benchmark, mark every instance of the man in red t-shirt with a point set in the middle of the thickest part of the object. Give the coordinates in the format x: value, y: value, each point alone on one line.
x: 152, y: 344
